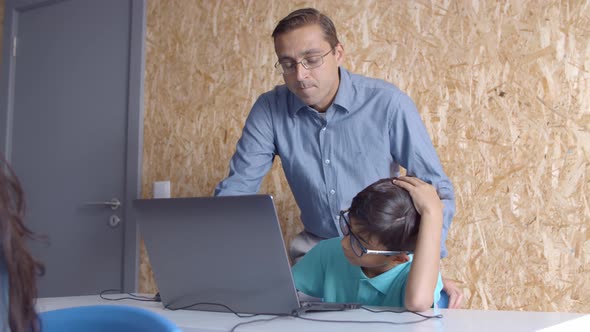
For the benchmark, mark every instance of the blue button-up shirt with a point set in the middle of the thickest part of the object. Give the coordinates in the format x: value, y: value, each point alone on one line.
x: 370, y: 129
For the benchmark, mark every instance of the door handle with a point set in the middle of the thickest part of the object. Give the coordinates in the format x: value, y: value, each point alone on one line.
x: 113, y: 203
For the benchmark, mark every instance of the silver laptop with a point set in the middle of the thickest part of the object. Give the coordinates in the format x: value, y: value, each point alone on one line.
x: 221, y: 253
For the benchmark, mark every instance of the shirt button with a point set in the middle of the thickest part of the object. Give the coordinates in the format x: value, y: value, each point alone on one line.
x: 327, y: 161
x: 332, y: 192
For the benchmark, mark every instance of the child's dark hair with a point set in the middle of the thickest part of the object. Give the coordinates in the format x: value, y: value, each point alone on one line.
x: 386, y: 211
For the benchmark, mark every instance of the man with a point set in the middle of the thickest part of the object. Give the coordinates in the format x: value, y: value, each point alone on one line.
x: 335, y: 132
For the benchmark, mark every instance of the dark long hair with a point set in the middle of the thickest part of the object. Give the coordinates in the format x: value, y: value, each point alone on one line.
x: 386, y: 211
x: 20, y: 264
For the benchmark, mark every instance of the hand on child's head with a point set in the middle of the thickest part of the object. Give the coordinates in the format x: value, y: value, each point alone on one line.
x: 423, y: 194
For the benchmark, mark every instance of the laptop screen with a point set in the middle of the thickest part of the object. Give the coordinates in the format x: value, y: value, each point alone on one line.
x: 223, y: 250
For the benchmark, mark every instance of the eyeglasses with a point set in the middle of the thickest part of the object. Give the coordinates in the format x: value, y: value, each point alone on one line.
x: 310, y: 62
x: 355, y: 243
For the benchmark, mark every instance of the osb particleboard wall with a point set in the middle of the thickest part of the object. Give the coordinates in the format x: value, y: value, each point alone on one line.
x: 502, y: 86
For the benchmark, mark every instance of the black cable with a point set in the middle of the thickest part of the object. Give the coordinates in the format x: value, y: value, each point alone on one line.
x: 257, y: 320
x: 129, y: 297
x: 169, y: 307
x: 295, y: 314
x: 401, y: 312
x: 362, y: 321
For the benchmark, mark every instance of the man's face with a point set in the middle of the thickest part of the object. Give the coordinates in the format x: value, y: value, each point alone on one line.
x: 316, y: 87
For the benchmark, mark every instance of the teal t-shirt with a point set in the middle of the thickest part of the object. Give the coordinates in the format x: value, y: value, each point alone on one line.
x: 325, y: 272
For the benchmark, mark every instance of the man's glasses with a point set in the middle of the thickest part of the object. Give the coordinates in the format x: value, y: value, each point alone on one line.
x: 355, y: 243
x: 287, y: 67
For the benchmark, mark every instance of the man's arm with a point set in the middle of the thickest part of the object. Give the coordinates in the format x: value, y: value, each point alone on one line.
x: 423, y: 276
x: 412, y: 148
x: 254, y: 154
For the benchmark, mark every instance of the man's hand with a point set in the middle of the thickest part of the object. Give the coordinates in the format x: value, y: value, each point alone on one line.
x: 424, y: 196
x: 454, y: 292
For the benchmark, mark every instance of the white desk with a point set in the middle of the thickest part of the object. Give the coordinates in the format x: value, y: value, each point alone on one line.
x: 453, y: 320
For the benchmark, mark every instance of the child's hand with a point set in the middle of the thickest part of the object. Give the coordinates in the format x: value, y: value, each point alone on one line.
x: 424, y: 195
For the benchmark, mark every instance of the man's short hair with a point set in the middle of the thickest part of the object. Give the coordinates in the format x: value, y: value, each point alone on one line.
x: 304, y: 17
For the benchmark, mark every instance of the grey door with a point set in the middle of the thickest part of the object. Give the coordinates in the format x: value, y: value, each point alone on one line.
x: 71, y: 100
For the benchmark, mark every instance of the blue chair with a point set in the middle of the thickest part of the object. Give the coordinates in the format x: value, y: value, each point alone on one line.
x: 443, y: 302
x: 98, y: 318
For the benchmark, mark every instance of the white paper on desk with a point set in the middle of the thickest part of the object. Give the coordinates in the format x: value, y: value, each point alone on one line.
x: 579, y: 324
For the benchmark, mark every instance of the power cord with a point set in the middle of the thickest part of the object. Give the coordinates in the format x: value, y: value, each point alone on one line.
x: 257, y: 321
x: 170, y: 307
x: 301, y: 315
x: 295, y: 314
x: 401, y: 312
x: 130, y: 296
x: 424, y: 317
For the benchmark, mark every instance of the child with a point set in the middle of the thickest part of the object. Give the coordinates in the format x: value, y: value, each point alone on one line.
x: 18, y: 268
x: 389, y: 255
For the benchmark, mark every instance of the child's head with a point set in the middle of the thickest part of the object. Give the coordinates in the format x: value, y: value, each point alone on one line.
x: 385, y: 211
x: 383, y: 217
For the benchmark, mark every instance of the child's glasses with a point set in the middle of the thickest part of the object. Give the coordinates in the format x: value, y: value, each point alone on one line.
x: 355, y: 243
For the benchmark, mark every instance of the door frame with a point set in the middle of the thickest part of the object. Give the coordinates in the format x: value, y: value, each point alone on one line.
x: 135, y: 108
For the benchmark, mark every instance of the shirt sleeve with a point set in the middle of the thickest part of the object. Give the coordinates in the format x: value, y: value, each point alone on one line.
x: 254, y: 154
x: 438, y: 289
x: 412, y: 148
x: 309, y: 272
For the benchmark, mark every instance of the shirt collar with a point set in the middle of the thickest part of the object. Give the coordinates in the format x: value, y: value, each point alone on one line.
x: 382, y: 282
x: 344, y: 96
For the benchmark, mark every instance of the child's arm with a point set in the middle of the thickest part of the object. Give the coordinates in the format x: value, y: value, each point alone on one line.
x: 424, y: 270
